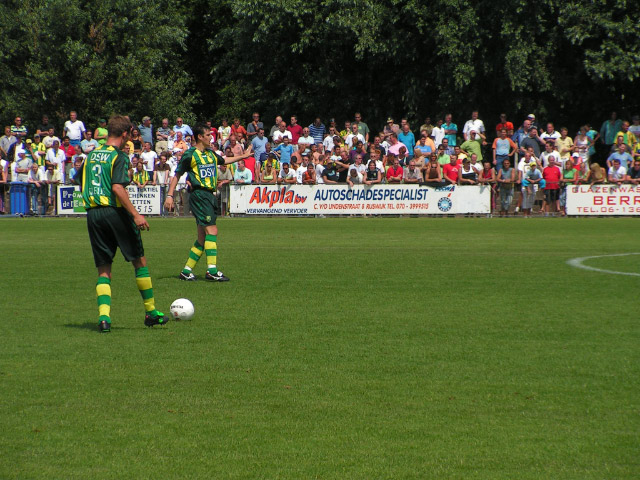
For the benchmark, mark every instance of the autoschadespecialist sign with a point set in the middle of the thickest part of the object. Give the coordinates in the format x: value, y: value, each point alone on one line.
x: 359, y: 199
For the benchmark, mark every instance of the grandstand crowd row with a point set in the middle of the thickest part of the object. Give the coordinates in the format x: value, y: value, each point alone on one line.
x: 530, y: 161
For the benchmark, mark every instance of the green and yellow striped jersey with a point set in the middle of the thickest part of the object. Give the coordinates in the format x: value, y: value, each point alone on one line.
x: 103, y: 168
x: 141, y: 177
x: 201, y: 168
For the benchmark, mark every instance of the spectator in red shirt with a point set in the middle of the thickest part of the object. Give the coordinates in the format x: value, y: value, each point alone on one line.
x: 508, y: 126
x: 450, y: 170
x: 296, y: 132
x: 552, y: 176
x: 214, y: 132
x: 239, y: 131
x: 395, y: 171
x: 69, y: 152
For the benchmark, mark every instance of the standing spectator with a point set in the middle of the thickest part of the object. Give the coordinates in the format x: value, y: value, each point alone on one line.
x: 550, y: 135
x: 317, y: 130
x: 296, y: 132
x: 504, y: 124
x: 213, y: 130
x: 569, y: 176
x: 50, y: 138
x: 532, y: 141
x: 503, y: 148
x: 438, y: 133
x: 285, y: 149
x: 407, y: 137
x: 280, y: 133
x: 425, y: 144
x: 101, y: 133
x: 259, y: 143
x: 363, y: 128
x: 628, y: 138
x: 236, y: 147
x: 74, y: 129
x: 18, y: 129
x: 473, y: 144
x: 77, y: 166
x: 44, y: 126
x: 347, y: 130
x: 582, y: 146
x: 474, y: 124
x: 253, y: 127
x: 242, y: 176
x: 450, y: 130
x: 136, y: 139
x: 182, y: 127
x: 6, y: 141
x: 549, y: 152
x: 389, y: 128
x: 306, y: 141
x: 69, y: 151
x: 38, y: 190
x: 52, y: 179
x: 39, y: 151
x: 148, y: 157
x: 275, y: 126
x: 564, y: 144
x: 506, y: 180
x: 521, y: 133
x: 225, y: 177
x: 55, y: 157
x: 239, y: 131
x: 487, y: 177
x: 164, y: 132
x: 530, y: 180
x: 426, y: 127
x: 88, y: 144
x: 608, y: 132
x: 552, y: 175
x: 22, y: 165
x: 162, y: 178
x: 146, y: 130
x: 354, y: 137
x: 532, y: 119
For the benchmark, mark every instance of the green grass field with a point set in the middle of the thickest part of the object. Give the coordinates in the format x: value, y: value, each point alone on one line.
x: 347, y: 348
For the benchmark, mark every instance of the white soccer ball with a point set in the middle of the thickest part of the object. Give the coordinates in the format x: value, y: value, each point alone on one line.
x: 182, y: 309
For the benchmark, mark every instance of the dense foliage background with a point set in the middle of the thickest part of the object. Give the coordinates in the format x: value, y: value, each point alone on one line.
x: 568, y: 61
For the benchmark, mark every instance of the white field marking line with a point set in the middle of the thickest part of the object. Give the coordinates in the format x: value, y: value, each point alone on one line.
x: 578, y: 263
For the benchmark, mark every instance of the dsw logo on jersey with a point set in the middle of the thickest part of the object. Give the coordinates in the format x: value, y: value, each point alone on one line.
x: 207, y: 171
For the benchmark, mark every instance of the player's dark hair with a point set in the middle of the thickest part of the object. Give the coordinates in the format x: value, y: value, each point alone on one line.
x: 118, y: 124
x: 199, y: 129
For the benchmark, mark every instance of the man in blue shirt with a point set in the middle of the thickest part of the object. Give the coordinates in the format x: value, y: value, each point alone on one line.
x: 316, y: 129
x: 146, y: 130
x: 259, y: 143
x: 622, y: 156
x: 285, y: 149
x: 180, y: 126
x: 406, y: 136
x: 450, y: 130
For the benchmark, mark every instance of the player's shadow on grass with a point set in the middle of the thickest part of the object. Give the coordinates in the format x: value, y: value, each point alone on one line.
x: 90, y: 326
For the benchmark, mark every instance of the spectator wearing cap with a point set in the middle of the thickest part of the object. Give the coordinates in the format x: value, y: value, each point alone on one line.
x: 24, y: 160
x: 74, y: 129
x: 474, y: 124
x: 389, y: 128
x: 330, y: 173
x: 317, y: 130
x: 146, y: 130
x: 532, y: 118
x: 101, y: 133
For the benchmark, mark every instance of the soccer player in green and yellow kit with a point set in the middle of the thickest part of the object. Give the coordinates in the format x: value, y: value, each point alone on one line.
x: 114, y: 222
x: 200, y: 164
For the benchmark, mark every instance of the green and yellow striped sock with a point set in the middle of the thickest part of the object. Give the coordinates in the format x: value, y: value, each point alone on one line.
x: 211, y: 249
x: 143, y: 281
x: 194, y: 255
x: 103, y: 291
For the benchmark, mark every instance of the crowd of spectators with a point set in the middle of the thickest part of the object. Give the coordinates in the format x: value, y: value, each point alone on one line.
x: 518, y: 164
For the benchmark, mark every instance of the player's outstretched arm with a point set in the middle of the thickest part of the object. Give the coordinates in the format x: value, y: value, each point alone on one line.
x: 246, y: 154
x: 168, y: 203
x: 121, y: 192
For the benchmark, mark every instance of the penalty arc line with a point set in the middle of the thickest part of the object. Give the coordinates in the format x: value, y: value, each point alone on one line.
x: 578, y: 263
